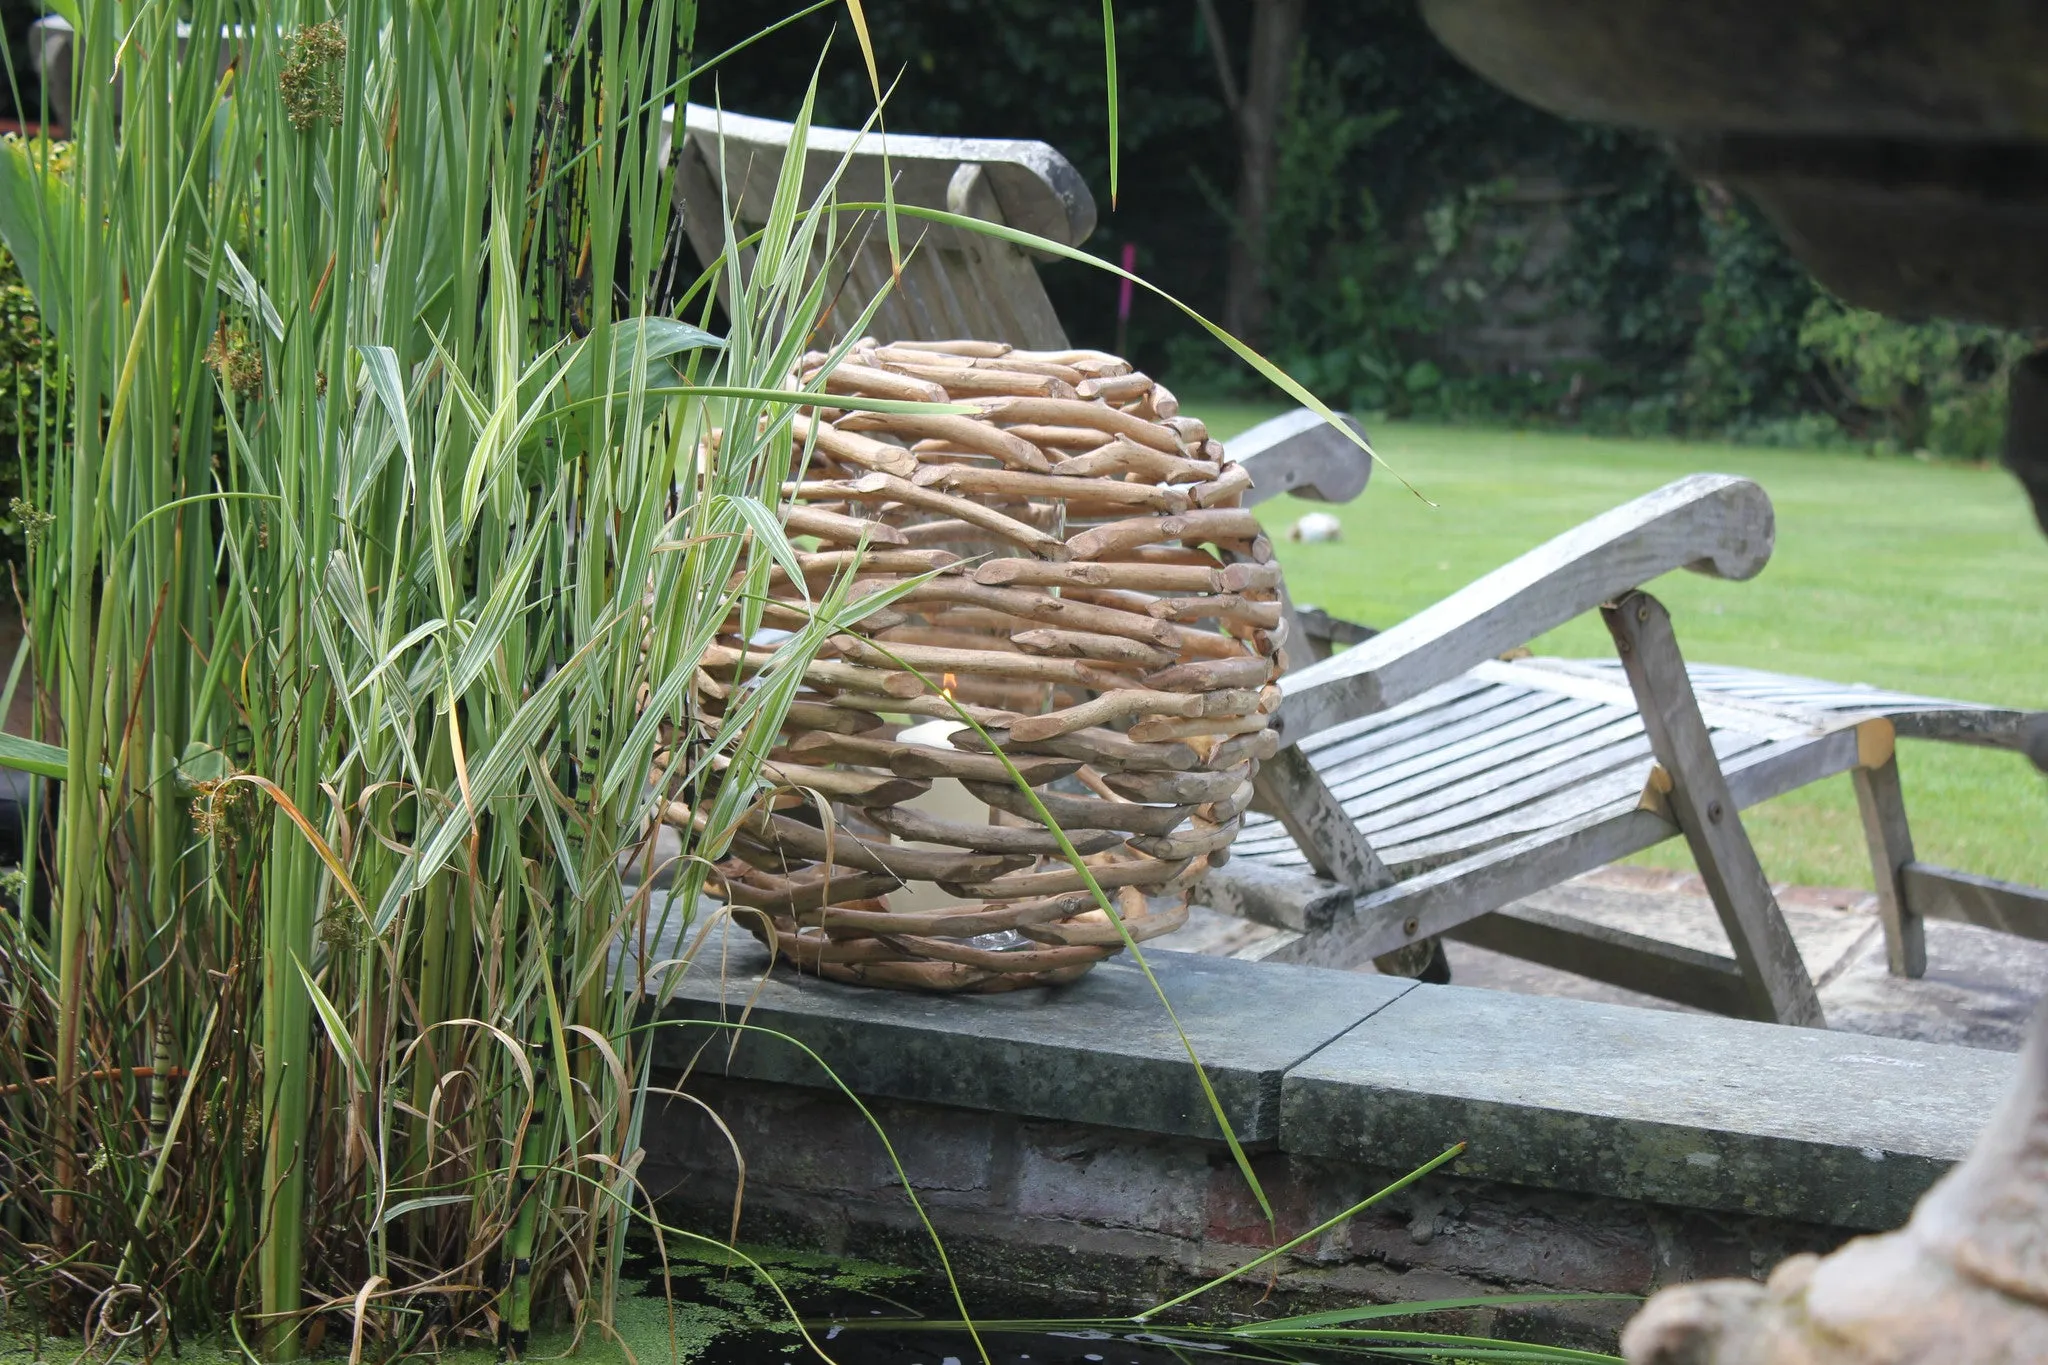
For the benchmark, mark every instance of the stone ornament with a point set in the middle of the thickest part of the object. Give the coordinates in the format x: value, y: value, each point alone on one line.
x: 1094, y: 596
x: 1965, y: 1282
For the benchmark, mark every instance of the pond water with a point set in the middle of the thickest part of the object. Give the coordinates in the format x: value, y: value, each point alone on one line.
x: 718, y: 1311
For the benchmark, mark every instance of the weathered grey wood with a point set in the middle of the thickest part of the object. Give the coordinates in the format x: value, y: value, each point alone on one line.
x: 1289, y: 790
x: 1890, y: 839
x: 1710, y: 523
x: 1284, y: 897
x: 1299, y: 453
x: 955, y: 282
x: 1321, y: 632
x: 1936, y: 892
x: 1669, y: 971
x: 1772, y: 971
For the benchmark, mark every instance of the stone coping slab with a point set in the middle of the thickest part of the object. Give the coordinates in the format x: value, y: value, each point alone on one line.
x: 1693, y: 1110
x: 1680, y: 1109
x: 1101, y: 1050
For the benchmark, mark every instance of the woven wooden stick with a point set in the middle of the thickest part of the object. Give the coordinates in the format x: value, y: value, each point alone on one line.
x: 1057, y: 611
x: 1146, y: 577
x: 1099, y: 746
x: 1079, y: 644
x: 1212, y: 524
x: 1209, y: 675
x: 1019, y: 486
x: 1066, y: 412
x: 821, y: 672
x: 1222, y: 606
x: 963, y: 433
x: 1178, y: 787
x: 1083, y: 812
x: 984, y: 838
x: 1107, y: 709
x: 873, y: 383
x: 787, y: 836
x: 1030, y: 667
x: 966, y: 348
x: 1230, y: 807
x: 1224, y: 490
x: 842, y: 530
x: 864, y: 788
x: 887, y: 487
x: 1139, y: 872
x: 1187, y: 843
x: 962, y: 921
x: 1124, y: 456
x: 853, y: 448
x: 1061, y: 438
x: 974, y: 381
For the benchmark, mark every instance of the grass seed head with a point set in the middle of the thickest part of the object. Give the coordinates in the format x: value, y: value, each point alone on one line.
x: 34, y: 522
x: 310, y: 80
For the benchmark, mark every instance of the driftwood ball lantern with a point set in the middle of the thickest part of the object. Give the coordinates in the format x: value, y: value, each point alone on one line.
x: 1099, y: 603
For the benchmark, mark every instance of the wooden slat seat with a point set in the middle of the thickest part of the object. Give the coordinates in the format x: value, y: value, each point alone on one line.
x: 1515, y: 749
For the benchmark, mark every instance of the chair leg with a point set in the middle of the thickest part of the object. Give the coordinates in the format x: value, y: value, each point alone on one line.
x: 1883, y: 804
x: 1775, y: 978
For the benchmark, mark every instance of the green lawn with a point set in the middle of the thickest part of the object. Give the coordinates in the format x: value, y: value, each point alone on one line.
x: 1929, y: 577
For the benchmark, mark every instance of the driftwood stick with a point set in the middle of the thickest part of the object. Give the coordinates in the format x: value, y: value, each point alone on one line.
x: 1191, y: 429
x: 1020, y: 486
x: 1080, y: 644
x: 1068, y: 412
x: 960, y: 921
x: 1083, y: 812
x: 841, y: 530
x: 796, y: 897
x: 842, y: 845
x: 915, y: 824
x: 975, y: 381
x: 1222, y: 606
x: 966, y: 348
x: 1250, y: 578
x: 1211, y: 524
x: 1104, y: 710
x: 1058, y: 611
x: 1154, y: 730
x: 1125, y: 456
x: 1026, y: 667
x: 887, y: 487
x: 926, y: 760
x: 1188, y: 843
x: 964, y: 433
x: 832, y: 563
x: 850, y: 448
x: 1061, y: 438
x: 1232, y: 752
x: 1094, y: 364
x: 928, y: 705
x: 1137, y: 872
x: 1209, y: 675
x: 1122, y: 388
x: 816, y: 715
x: 1225, y: 489
x: 1102, y: 746
x: 861, y: 788
x: 822, y: 672
x: 940, y: 638
x: 1182, y: 787
x: 848, y: 377
x: 1230, y: 807
x: 1092, y: 574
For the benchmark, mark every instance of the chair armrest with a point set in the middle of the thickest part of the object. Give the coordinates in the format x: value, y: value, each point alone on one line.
x: 1300, y: 453
x: 1713, y: 524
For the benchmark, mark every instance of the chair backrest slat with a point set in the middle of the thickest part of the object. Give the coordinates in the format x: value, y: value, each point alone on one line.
x: 954, y: 282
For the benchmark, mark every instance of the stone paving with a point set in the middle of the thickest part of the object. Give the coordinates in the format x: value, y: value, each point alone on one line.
x: 1980, y: 989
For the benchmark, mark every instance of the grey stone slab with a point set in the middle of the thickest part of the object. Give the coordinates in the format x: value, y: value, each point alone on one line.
x: 1099, y: 1051
x: 1681, y: 1109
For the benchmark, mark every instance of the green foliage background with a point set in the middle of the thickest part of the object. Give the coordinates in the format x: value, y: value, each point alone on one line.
x: 1396, y: 162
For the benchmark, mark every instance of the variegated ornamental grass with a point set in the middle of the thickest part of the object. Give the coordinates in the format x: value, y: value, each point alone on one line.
x: 386, y: 537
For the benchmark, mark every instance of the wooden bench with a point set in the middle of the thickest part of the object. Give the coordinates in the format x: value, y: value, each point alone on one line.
x: 1426, y: 784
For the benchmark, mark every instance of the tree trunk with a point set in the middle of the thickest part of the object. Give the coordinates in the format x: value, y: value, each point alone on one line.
x: 1269, y: 67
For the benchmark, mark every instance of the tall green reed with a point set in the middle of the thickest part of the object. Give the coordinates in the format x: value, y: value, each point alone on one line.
x: 394, y: 508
